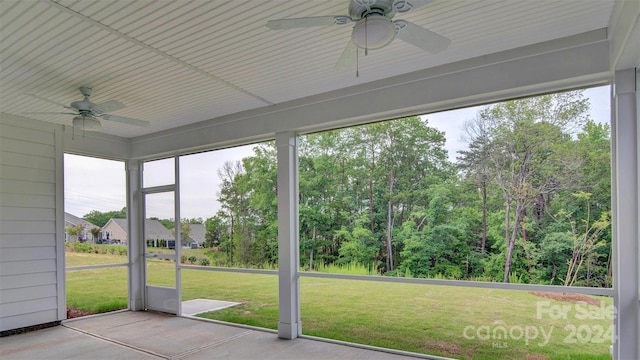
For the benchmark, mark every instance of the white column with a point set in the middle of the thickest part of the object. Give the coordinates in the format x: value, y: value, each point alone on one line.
x: 288, y: 253
x: 626, y: 202
x: 135, y: 239
x: 178, y: 232
x: 61, y: 277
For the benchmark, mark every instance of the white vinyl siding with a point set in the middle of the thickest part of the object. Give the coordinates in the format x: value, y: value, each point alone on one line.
x: 30, y: 163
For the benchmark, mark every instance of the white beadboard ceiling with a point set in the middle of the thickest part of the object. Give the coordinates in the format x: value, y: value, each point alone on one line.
x: 175, y: 63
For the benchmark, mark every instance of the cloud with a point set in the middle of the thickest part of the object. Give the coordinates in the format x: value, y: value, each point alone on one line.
x: 93, y: 184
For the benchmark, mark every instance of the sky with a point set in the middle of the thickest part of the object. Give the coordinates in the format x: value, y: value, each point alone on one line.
x: 98, y: 184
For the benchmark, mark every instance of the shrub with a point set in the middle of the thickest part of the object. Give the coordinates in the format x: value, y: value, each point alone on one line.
x: 82, y: 247
x: 205, y: 262
x: 183, y: 259
x: 352, y: 268
x: 192, y: 259
x: 96, y: 248
x: 408, y: 273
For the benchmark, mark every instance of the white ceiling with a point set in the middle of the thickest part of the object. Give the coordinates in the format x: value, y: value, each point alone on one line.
x: 174, y: 63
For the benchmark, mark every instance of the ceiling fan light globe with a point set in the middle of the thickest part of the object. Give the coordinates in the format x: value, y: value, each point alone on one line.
x: 373, y: 32
x: 86, y: 123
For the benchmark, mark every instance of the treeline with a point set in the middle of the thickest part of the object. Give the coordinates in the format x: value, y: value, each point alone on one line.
x: 529, y: 201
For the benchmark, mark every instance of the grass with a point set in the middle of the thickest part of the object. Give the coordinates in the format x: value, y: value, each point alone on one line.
x: 421, y: 318
x: 97, y: 291
x: 80, y: 259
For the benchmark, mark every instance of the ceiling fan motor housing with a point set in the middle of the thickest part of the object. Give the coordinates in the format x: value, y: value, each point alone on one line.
x: 84, y: 104
x: 359, y: 9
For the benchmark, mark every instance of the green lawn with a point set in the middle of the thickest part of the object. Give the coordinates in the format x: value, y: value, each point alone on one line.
x: 98, y: 290
x: 80, y: 259
x: 420, y: 318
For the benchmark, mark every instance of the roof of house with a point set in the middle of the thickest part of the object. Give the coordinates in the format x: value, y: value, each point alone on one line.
x: 197, y: 233
x: 153, y: 228
x: 74, y: 220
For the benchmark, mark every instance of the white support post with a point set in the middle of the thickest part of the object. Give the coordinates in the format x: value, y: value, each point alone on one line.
x: 288, y: 252
x: 178, y: 232
x: 625, y: 187
x: 61, y: 277
x: 135, y: 241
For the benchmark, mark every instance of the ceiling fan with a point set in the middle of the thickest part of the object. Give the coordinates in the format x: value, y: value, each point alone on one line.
x: 87, y: 115
x: 374, y: 27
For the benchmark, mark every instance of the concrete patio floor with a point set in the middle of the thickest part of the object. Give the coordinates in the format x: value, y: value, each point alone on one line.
x: 148, y: 335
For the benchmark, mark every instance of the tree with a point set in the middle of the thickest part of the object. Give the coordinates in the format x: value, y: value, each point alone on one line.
x: 323, y: 195
x: 217, y: 230
x: 260, y: 182
x: 74, y: 230
x: 585, y: 242
x: 185, y: 232
x: 197, y: 220
x: 384, y: 195
x: 411, y: 156
x: 100, y: 219
x: 524, y: 139
x: 95, y: 232
x: 433, y: 239
x: 233, y: 201
x: 476, y: 166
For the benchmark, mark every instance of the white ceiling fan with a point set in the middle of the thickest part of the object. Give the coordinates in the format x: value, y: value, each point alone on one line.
x: 87, y: 115
x: 374, y: 27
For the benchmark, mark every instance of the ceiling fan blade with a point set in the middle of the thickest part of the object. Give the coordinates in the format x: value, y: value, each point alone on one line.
x: 49, y: 113
x: 402, y: 6
x: 50, y: 101
x: 420, y: 37
x: 108, y: 106
x: 349, y: 57
x: 308, y: 22
x: 125, y: 120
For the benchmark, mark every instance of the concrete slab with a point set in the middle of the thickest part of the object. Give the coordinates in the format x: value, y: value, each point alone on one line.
x: 63, y: 343
x: 199, y: 306
x: 108, y: 321
x: 147, y: 335
x: 265, y: 346
x: 160, y: 333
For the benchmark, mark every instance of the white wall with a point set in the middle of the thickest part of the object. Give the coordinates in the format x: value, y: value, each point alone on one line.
x: 31, y: 235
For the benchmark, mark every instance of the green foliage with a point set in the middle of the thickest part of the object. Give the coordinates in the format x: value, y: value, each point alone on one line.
x: 100, y: 219
x: 204, y: 262
x: 185, y: 231
x: 356, y: 246
x: 96, y: 248
x: 352, y: 268
x: 216, y: 232
x: 385, y: 196
x: 74, y: 230
x: 95, y: 232
x: 192, y: 259
x: 516, y: 279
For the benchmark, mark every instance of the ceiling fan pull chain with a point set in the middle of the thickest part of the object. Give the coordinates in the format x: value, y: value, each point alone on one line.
x: 366, y: 40
x: 357, y: 64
